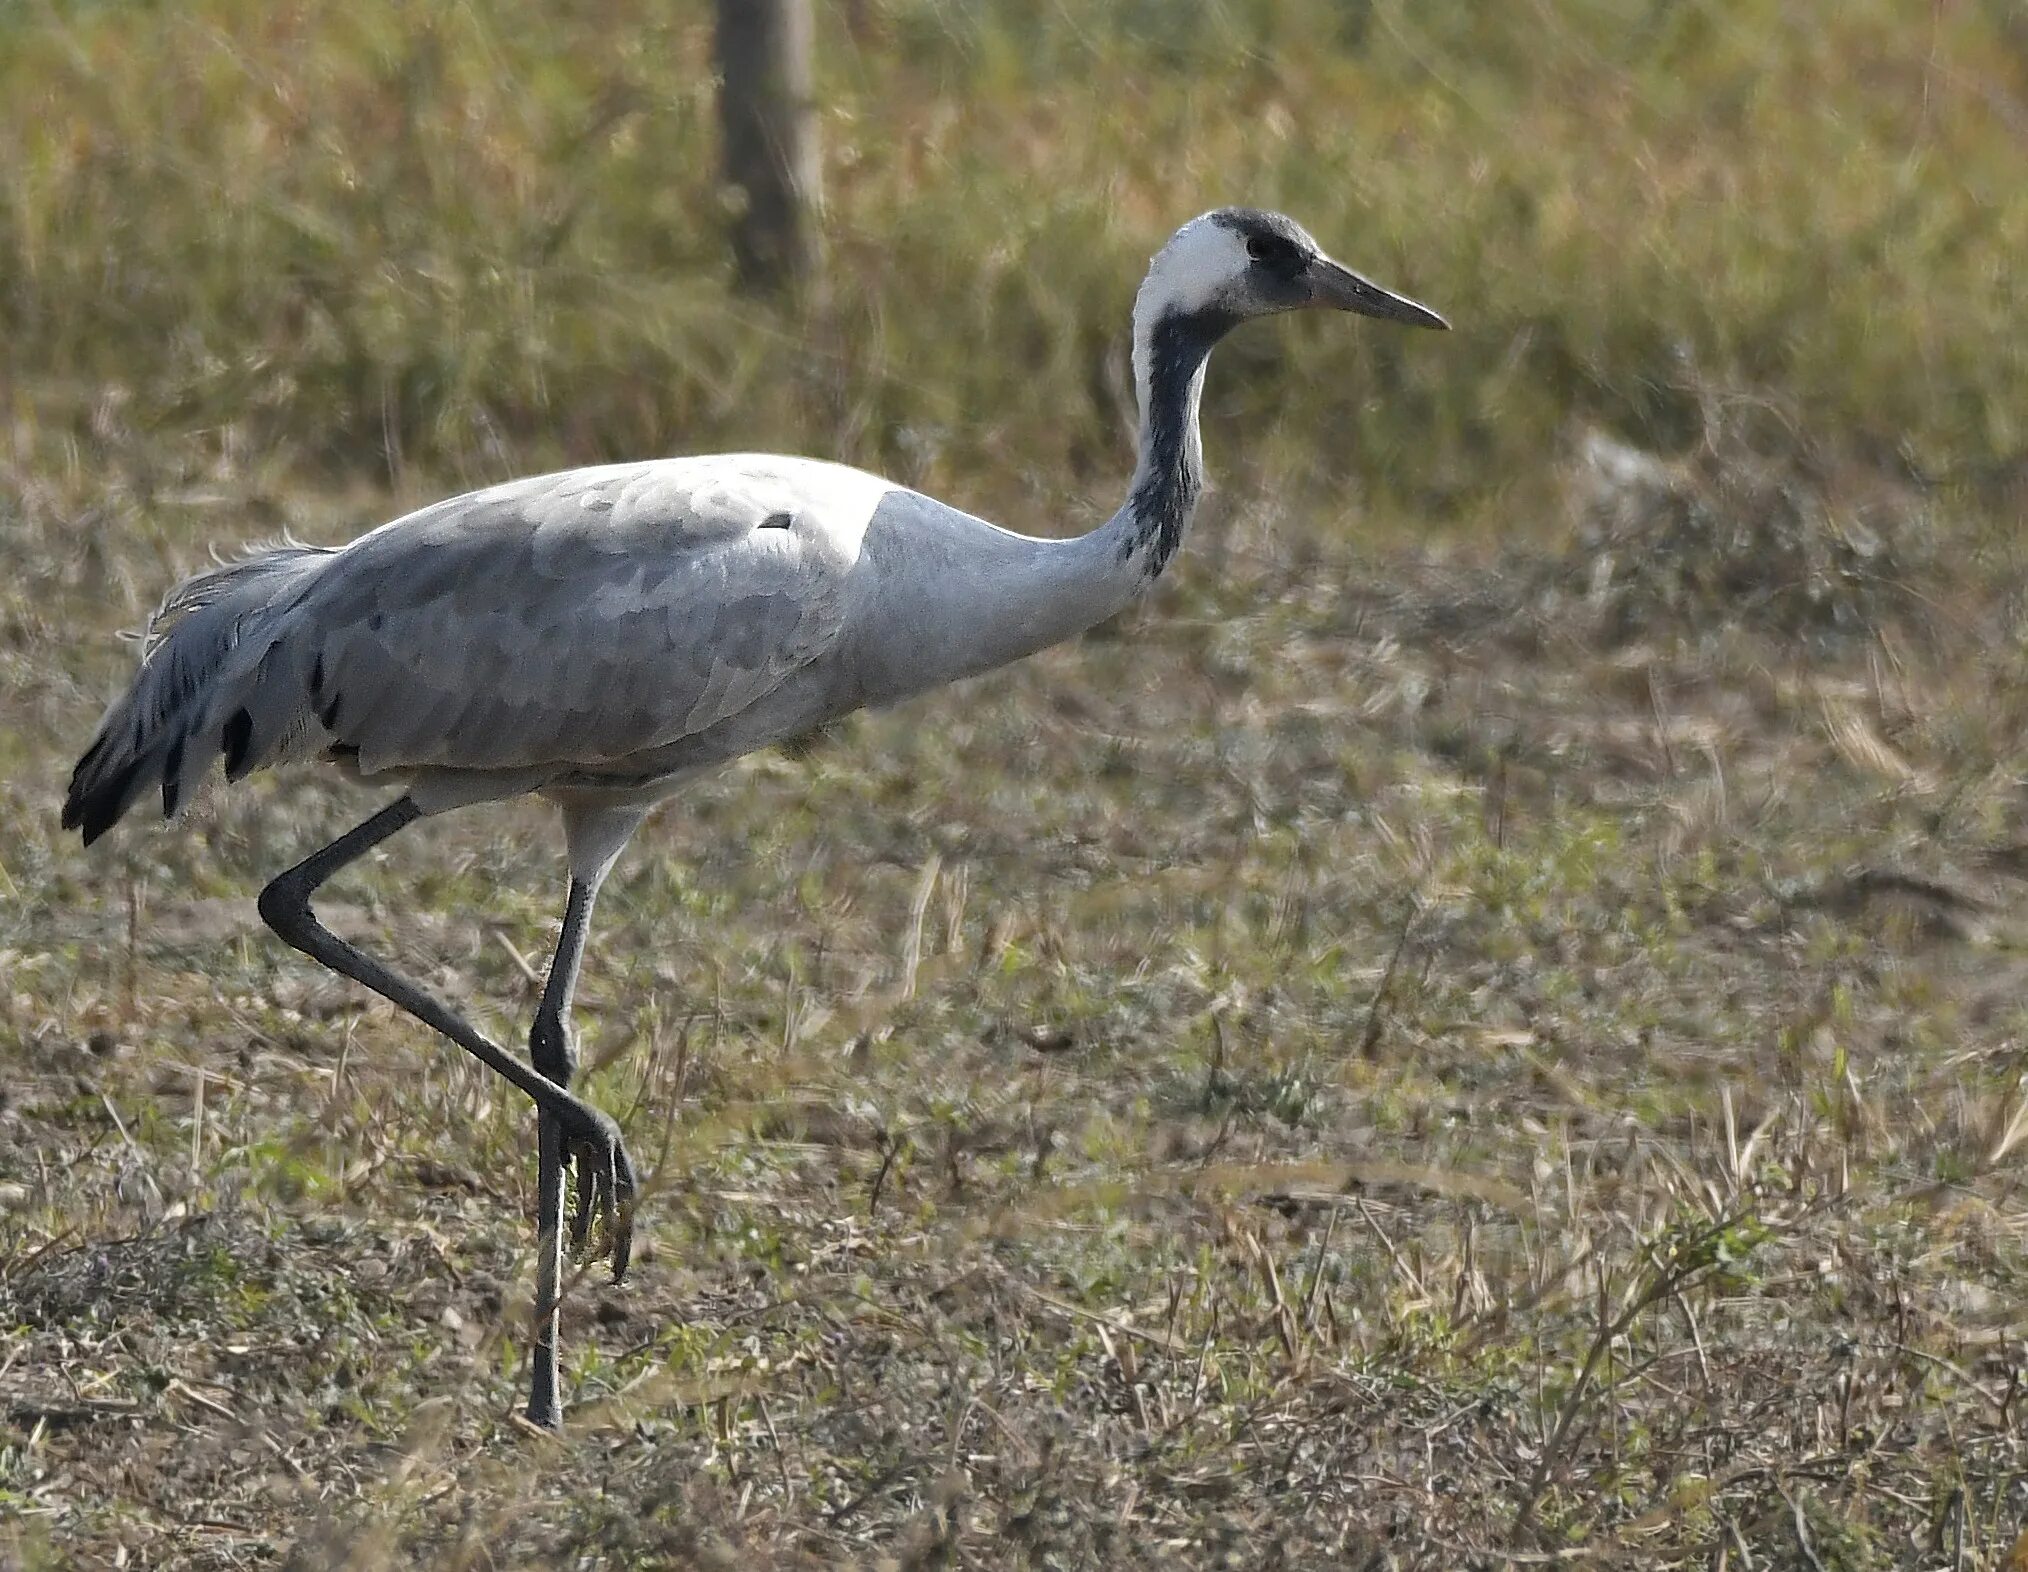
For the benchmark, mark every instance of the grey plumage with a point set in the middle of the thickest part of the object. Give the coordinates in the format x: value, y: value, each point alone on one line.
x: 549, y: 625
x: 608, y: 611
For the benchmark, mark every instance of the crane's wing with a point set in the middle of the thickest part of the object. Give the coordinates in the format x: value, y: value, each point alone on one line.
x: 577, y: 618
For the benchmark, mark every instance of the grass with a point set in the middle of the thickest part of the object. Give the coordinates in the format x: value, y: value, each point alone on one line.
x: 1426, y: 1046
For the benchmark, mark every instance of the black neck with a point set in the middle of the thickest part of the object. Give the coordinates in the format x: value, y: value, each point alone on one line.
x: 1171, y: 475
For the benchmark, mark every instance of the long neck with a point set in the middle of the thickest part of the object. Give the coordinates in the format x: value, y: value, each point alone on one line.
x: 1169, y: 356
x: 979, y: 596
x: 1075, y: 584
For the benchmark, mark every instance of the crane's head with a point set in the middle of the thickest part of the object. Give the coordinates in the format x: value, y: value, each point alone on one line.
x: 1239, y: 262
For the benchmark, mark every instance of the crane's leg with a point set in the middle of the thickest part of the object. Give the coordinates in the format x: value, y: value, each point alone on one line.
x: 595, y: 836
x: 551, y: 1051
x: 605, y: 1169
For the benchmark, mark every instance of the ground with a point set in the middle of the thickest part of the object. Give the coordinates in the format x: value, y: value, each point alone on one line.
x: 1387, y: 1055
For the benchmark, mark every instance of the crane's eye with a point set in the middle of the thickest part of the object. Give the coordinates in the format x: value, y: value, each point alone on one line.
x: 1276, y: 253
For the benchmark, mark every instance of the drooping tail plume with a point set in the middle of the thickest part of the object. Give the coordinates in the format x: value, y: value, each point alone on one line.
x: 201, y: 661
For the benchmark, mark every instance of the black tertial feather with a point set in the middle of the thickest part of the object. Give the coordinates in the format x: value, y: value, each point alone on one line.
x: 238, y: 737
x: 172, y: 777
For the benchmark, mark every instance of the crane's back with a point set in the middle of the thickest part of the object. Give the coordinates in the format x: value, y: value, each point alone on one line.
x: 562, y: 621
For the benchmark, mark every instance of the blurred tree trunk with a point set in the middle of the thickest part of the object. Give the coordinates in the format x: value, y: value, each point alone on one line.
x: 768, y: 111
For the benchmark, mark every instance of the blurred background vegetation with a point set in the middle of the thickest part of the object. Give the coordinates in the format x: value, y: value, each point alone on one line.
x: 471, y: 239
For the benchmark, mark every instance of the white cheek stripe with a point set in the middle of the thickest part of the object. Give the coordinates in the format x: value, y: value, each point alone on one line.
x: 1191, y: 271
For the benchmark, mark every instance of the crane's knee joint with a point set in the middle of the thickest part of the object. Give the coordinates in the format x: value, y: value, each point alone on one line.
x: 550, y: 1049
x: 284, y: 905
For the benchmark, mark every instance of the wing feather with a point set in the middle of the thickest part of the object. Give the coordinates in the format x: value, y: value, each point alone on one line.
x: 583, y: 617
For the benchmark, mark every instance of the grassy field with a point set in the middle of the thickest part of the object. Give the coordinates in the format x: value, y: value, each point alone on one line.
x: 1482, y: 1027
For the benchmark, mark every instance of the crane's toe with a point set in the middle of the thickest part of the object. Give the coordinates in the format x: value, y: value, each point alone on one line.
x: 605, y: 1189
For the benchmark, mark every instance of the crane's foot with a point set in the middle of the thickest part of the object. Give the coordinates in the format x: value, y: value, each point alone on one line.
x: 605, y: 1187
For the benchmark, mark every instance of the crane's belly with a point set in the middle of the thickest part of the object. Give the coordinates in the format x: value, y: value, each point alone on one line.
x: 805, y: 703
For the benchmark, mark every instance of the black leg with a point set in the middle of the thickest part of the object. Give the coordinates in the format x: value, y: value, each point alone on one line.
x: 592, y: 1138
x: 551, y: 1051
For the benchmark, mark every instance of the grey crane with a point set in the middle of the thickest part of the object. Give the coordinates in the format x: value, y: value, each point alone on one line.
x: 599, y: 636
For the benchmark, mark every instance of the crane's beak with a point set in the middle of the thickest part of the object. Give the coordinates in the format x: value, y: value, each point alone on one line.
x: 1344, y: 290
